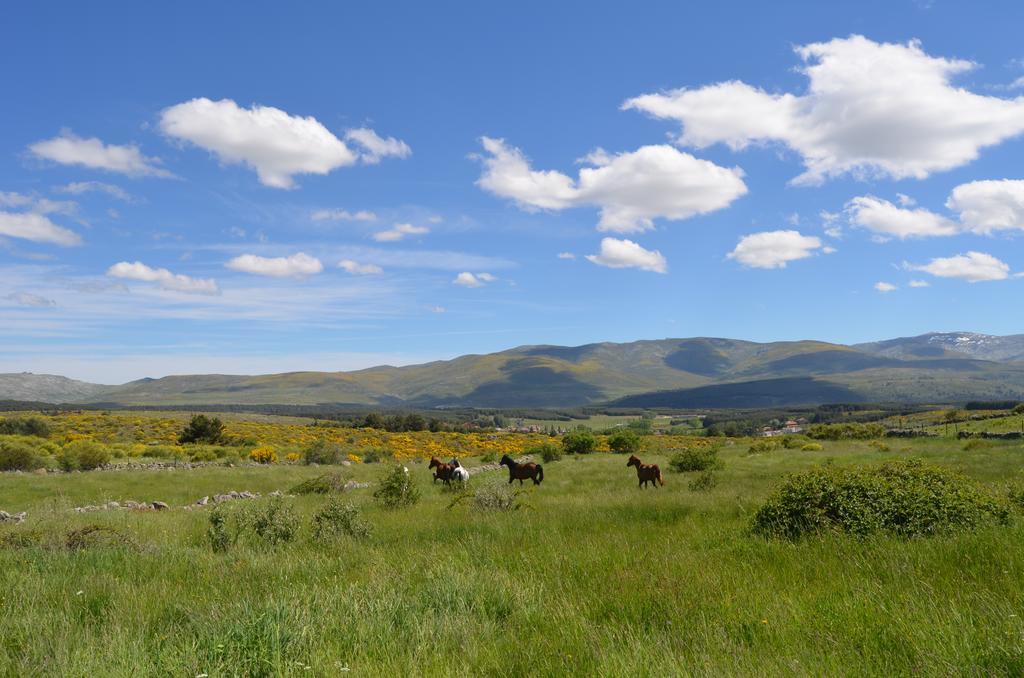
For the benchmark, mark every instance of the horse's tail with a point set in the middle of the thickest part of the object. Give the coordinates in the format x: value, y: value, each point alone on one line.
x: 540, y: 474
x: 661, y: 481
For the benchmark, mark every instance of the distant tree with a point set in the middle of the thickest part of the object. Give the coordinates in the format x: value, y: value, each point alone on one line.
x: 373, y: 420
x: 579, y: 442
x: 435, y: 425
x: 414, y: 422
x: 202, y: 429
x: 625, y: 441
x: 952, y: 417
x: 25, y: 426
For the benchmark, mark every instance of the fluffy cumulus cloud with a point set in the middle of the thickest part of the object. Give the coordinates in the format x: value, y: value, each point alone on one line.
x: 164, y: 278
x: 275, y: 144
x: 870, y: 109
x: 68, y: 149
x: 399, y: 231
x: 355, y: 268
x: 37, y: 228
x: 617, y: 253
x: 375, y: 147
x: 889, y: 220
x: 972, y: 267
x: 774, y: 249
x: 295, y: 266
x: 885, y: 287
x: 467, y: 279
x: 630, y: 189
x: 343, y: 215
x: 988, y: 206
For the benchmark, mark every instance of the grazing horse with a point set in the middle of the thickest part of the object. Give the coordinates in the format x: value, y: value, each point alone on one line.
x: 517, y: 471
x: 444, y: 471
x: 646, y: 473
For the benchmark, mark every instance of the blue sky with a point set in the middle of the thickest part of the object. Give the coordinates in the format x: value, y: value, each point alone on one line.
x: 258, y: 187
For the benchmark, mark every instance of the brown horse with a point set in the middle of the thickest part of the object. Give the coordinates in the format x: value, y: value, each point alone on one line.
x: 646, y: 473
x: 444, y: 471
x: 517, y: 471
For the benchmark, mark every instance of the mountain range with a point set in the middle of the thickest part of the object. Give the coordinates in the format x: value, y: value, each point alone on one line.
x: 684, y: 373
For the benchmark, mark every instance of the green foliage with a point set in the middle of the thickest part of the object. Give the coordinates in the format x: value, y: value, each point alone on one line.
x: 763, y: 445
x: 879, y: 445
x: 83, y: 455
x: 17, y: 455
x: 219, y: 534
x: 626, y: 441
x: 549, y: 452
x: 25, y: 426
x: 202, y: 429
x: 273, y: 522
x: 1019, y: 409
x: 904, y: 498
x: 704, y: 481
x: 377, y: 455
x: 793, y: 442
x: 697, y: 458
x: 323, y: 452
x: 812, y: 447
x: 488, y: 457
x: 323, y: 484
x: 579, y: 442
x: 397, y: 489
x: 849, y: 431
x: 494, y: 496
x: 337, y: 518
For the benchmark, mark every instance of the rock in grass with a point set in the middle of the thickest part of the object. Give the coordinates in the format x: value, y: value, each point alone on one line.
x: 160, y: 506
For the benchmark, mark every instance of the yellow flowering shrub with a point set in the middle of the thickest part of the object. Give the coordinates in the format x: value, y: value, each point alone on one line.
x: 264, y: 454
x: 292, y: 457
x: 355, y: 458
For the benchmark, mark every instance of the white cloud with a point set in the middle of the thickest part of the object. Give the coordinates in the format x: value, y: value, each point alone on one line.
x: 617, y: 253
x: 630, y: 189
x: 438, y: 309
x: 885, y: 287
x: 355, y: 268
x: 376, y: 147
x: 29, y: 299
x: 12, y: 199
x: 295, y: 266
x: 972, y: 267
x: 37, y: 228
x: 80, y: 187
x: 68, y: 149
x: 566, y: 255
x: 885, y: 218
x: 398, y: 232
x: 920, y: 283
x: 343, y: 215
x: 987, y: 206
x: 774, y: 249
x: 870, y: 109
x: 273, y: 143
x: 163, y: 277
x: 467, y: 279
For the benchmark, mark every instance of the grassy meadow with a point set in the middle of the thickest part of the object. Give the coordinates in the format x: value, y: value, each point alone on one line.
x: 589, y: 576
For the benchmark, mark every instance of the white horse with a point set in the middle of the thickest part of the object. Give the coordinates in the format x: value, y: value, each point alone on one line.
x: 459, y: 473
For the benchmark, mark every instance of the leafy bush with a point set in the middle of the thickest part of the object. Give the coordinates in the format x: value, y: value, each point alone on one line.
x: 264, y: 454
x: 694, y: 459
x: 488, y: 457
x: 274, y: 522
x: 978, y: 444
x: 324, y: 484
x: 625, y: 441
x: 762, y: 446
x: 492, y: 496
x: 16, y: 455
x: 704, y: 481
x: 549, y: 452
x: 323, y: 452
x: 83, y: 455
x: 376, y: 456
x: 904, y: 498
x: 848, y: 431
x: 879, y: 445
x: 25, y: 426
x: 202, y: 429
x: 812, y: 447
x: 792, y: 442
x: 336, y: 518
x: 579, y: 442
x: 397, y: 489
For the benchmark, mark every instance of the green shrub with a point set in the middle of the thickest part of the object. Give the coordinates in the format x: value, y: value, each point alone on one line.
x: 549, y: 452
x: 25, y: 426
x: 625, y: 441
x: 704, y: 481
x: 492, y: 496
x: 202, y: 429
x: 488, y: 457
x: 579, y: 442
x: 793, y: 442
x: 274, y: 522
x: 323, y: 484
x: 762, y: 446
x: 978, y: 444
x: 397, y: 489
x: 323, y: 452
x: 16, y: 455
x: 694, y: 459
x: 812, y: 447
x: 336, y: 518
x: 904, y: 498
x: 83, y: 455
x: 879, y: 445
x: 848, y: 431
x: 377, y: 455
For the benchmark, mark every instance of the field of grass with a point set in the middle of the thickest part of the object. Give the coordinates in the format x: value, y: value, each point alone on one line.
x: 592, y: 576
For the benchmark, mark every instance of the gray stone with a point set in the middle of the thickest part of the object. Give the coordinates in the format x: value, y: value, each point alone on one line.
x: 160, y: 506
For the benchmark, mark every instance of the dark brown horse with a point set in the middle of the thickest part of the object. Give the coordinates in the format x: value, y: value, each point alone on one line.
x: 444, y: 471
x: 520, y: 472
x: 646, y: 473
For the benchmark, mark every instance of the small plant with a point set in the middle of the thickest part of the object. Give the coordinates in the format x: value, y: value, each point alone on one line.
x: 217, y: 533
x: 879, y: 445
x: 274, y: 523
x: 763, y: 446
x: 264, y: 454
x: 376, y: 456
x: 488, y: 457
x: 397, y: 489
x: 83, y: 455
x: 493, y: 496
x: 812, y: 447
x: 292, y: 457
x: 579, y: 442
x: 16, y: 455
x: 793, y: 442
x: 704, y: 481
x: 694, y: 459
x: 324, y: 484
x: 549, y: 452
x: 202, y: 429
x: 24, y: 426
x: 978, y: 444
x: 625, y: 441
x: 322, y: 452
x: 336, y: 518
